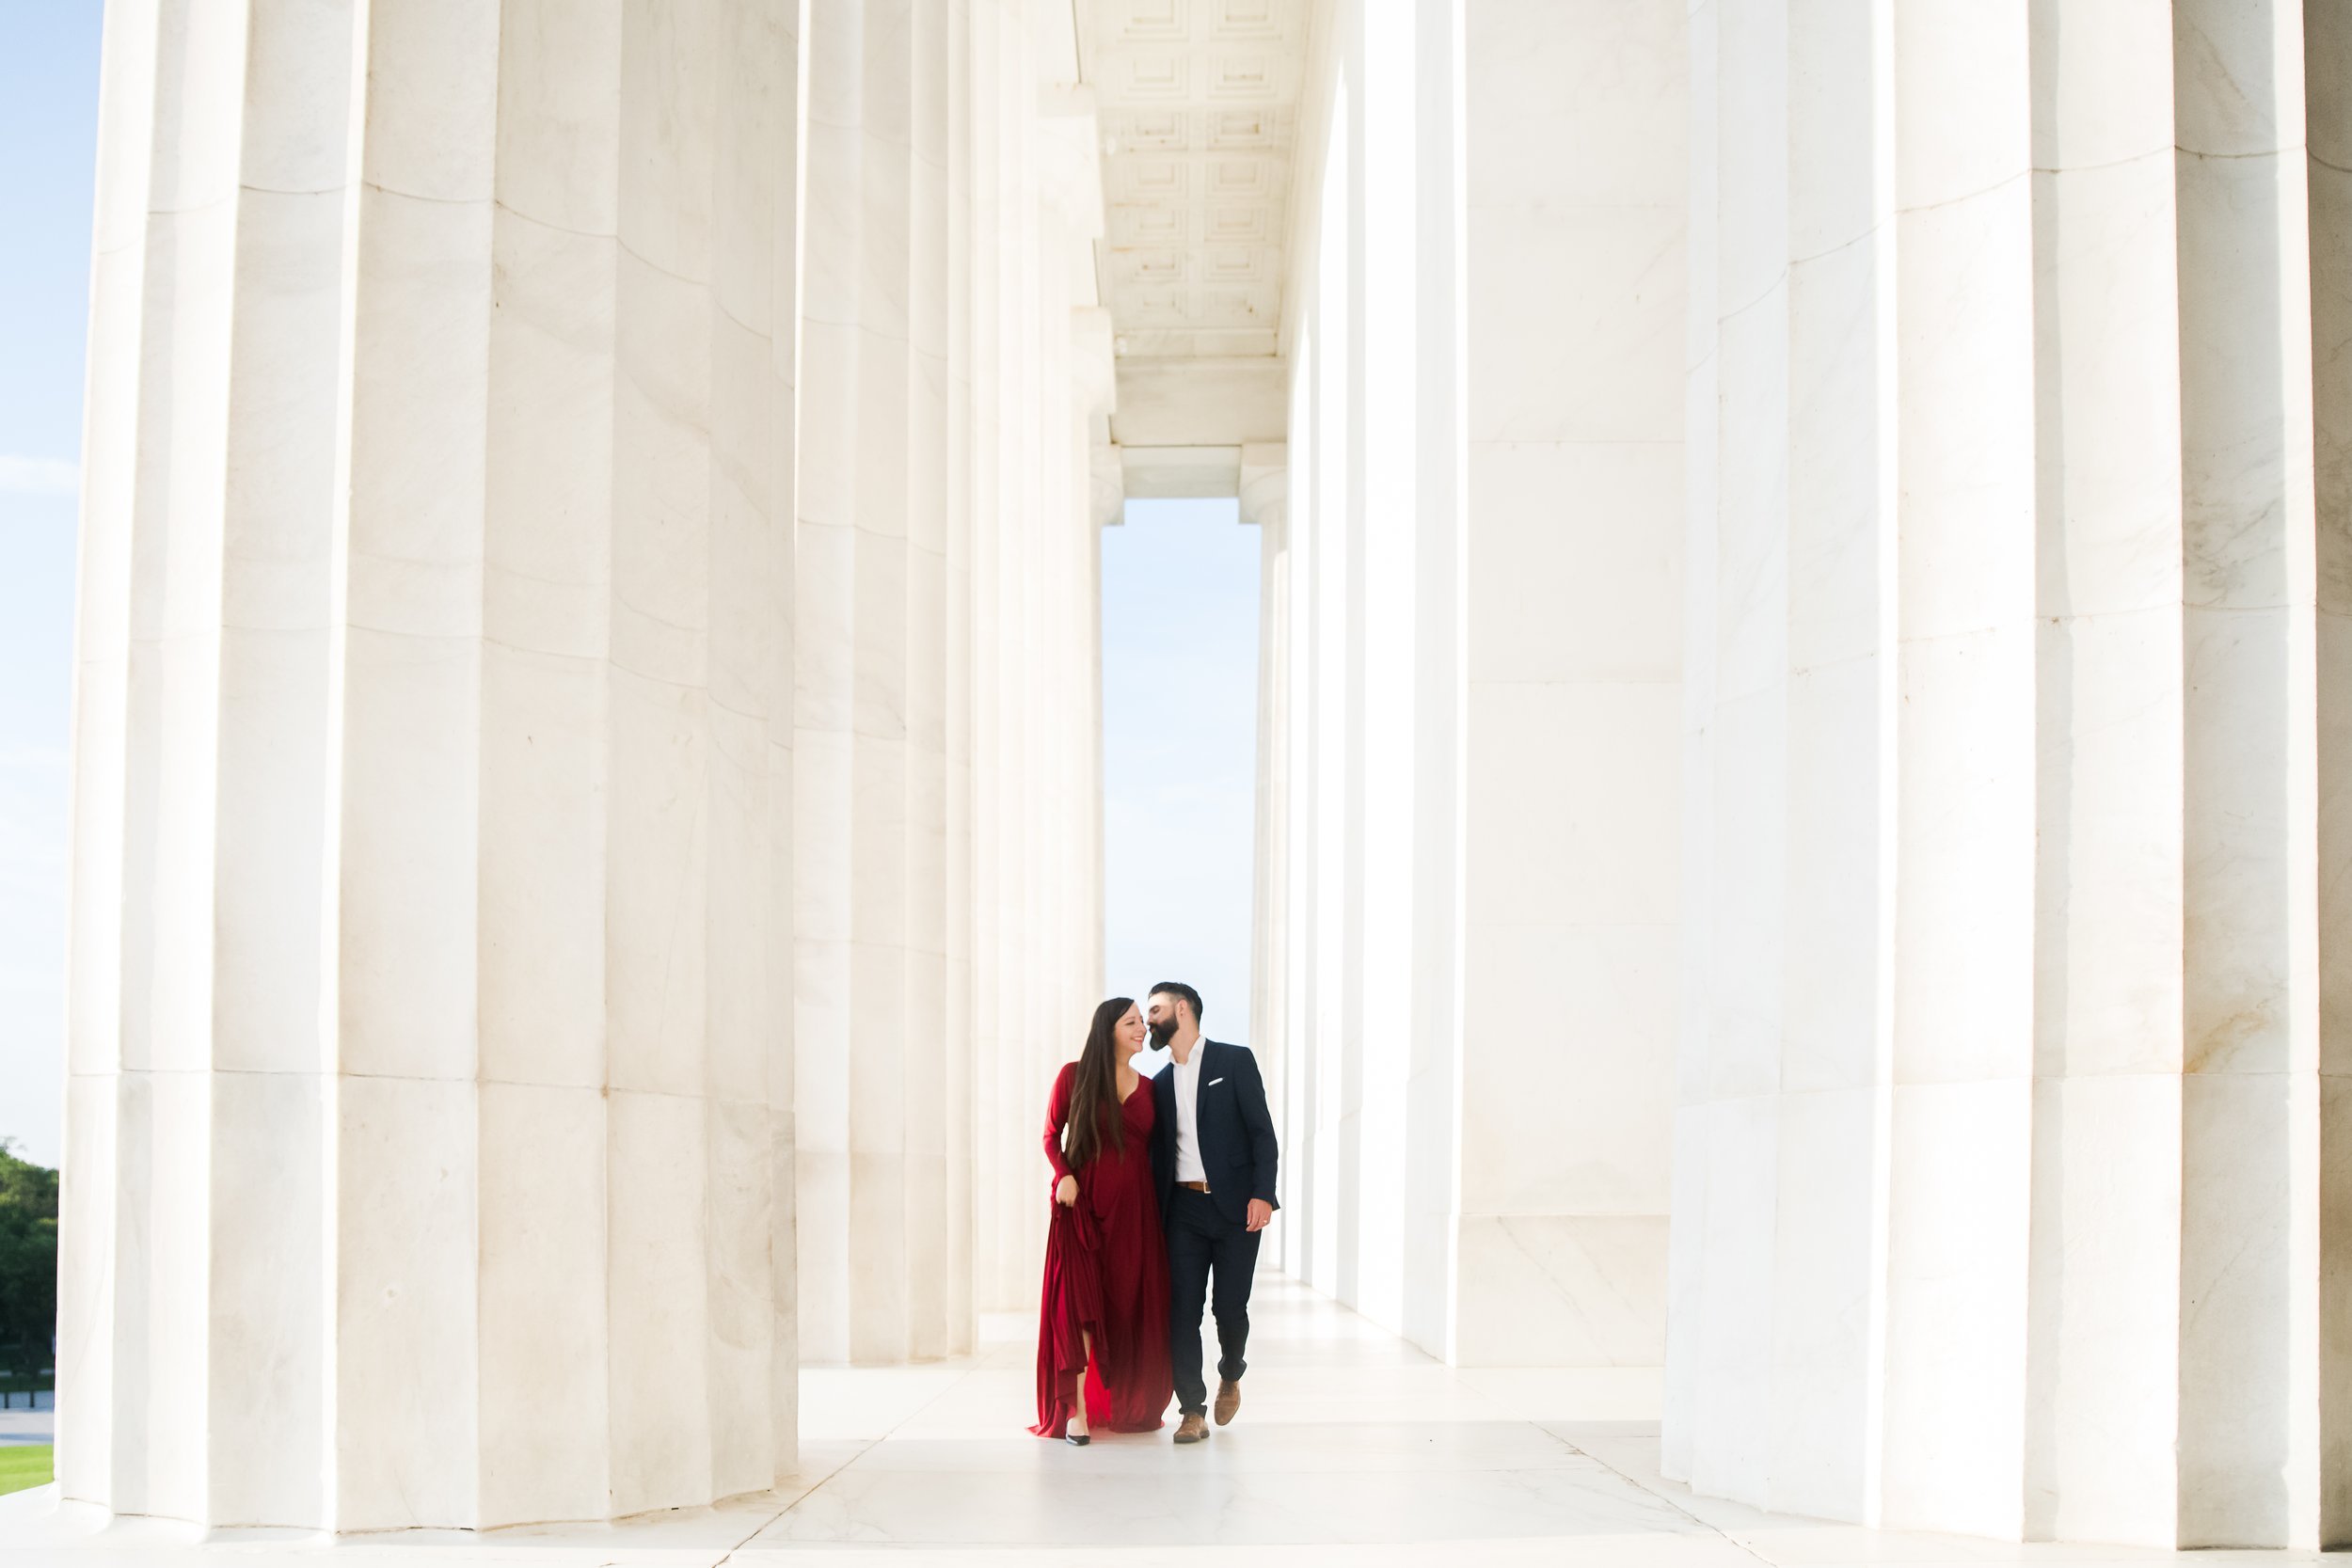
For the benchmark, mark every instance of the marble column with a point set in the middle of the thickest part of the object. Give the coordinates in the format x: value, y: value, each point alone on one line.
x: 1265, y: 506
x: 948, y: 811
x: 958, y: 1038
x: 2328, y: 129
x: 1289, y: 887
x: 1473, y: 901
x: 2250, y: 1355
x: 1324, y: 453
x: 1001, y: 1099
x: 1572, y: 268
x: 2004, y: 1187
x: 429, y: 1138
x: 1359, y: 872
x: 883, y: 810
x: 2104, y: 1267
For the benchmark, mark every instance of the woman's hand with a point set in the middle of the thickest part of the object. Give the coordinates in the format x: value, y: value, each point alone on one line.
x: 1066, y: 1191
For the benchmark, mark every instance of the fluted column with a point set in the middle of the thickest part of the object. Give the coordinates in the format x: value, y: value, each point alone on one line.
x: 999, y: 1096
x: 2251, y: 1354
x: 2328, y: 119
x: 1571, y: 437
x: 1470, y: 747
x: 2006, y: 1187
x: 1041, y: 345
x: 884, y: 683
x: 2104, y: 1300
x: 1265, y: 506
x: 428, y: 1148
x: 932, y: 675
x: 959, y: 1036
x: 947, y: 870
x: 1295, y: 916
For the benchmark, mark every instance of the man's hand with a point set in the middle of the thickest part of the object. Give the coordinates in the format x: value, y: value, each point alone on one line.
x: 1260, y: 1213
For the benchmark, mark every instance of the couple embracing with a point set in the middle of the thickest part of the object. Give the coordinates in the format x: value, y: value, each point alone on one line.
x: 1161, y: 1188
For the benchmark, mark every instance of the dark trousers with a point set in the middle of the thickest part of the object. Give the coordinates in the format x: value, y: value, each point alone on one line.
x: 1202, y: 1242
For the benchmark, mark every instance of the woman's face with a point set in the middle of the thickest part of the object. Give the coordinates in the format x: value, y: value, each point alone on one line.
x: 1130, y: 1033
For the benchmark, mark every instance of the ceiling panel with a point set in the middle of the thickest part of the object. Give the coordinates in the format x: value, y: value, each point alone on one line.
x: 1198, y: 105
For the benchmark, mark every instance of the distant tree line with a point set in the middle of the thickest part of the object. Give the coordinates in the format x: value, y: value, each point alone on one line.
x: 28, y: 1263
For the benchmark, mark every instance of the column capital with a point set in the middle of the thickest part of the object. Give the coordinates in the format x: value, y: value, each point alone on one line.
x: 1266, y: 484
x: 1107, y: 486
x: 1093, y: 371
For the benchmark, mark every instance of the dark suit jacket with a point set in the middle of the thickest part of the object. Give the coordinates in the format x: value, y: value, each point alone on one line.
x: 1236, y: 1132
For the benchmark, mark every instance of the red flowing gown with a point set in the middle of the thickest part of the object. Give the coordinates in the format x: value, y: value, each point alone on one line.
x: 1106, y: 1274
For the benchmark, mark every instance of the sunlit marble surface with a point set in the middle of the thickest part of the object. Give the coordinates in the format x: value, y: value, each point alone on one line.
x: 1352, y: 1447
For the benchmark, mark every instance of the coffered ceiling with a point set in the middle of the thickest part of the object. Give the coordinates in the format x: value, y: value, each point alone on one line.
x: 1198, y: 102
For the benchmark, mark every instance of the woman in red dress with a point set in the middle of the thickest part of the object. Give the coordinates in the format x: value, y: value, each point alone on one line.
x: 1103, y: 1324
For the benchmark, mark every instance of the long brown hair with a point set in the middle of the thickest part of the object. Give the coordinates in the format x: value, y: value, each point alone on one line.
x: 1094, y: 1109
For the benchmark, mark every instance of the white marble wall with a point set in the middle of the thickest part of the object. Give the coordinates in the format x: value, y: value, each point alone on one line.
x: 1470, y: 862
x: 2003, y: 1186
x: 511, y: 790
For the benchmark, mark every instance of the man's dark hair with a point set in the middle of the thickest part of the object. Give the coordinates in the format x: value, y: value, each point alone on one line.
x: 1177, y: 988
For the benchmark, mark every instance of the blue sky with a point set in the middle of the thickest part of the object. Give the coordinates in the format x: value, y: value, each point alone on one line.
x: 1179, y: 627
x: 1180, y: 729
x: 48, y: 120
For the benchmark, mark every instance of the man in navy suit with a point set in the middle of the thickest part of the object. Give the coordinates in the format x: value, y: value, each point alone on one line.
x: 1213, y: 1154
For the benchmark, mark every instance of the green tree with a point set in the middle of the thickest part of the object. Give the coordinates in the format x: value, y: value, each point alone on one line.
x: 29, y: 1262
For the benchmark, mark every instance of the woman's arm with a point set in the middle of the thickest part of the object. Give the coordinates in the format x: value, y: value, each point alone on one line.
x: 1056, y: 1118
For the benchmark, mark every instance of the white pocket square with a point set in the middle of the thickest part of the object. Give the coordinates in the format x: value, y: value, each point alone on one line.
x: 1212, y: 1083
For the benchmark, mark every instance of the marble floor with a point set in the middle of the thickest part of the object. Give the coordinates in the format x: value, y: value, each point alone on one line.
x: 1352, y: 1447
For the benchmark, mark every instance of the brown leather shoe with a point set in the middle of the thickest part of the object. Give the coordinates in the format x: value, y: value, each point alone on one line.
x: 1192, y: 1429
x: 1228, y: 1399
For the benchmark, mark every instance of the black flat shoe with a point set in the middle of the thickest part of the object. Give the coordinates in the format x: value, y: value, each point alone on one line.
x: 1076, y: 1439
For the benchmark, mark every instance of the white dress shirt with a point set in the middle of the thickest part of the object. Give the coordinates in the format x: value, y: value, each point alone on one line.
x: 1188, y: 1167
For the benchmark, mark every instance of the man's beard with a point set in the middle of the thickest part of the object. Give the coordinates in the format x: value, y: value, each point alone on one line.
x: 1163, y: 1032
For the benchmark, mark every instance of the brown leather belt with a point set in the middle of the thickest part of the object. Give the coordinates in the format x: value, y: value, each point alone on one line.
x: 1196, y: 1186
